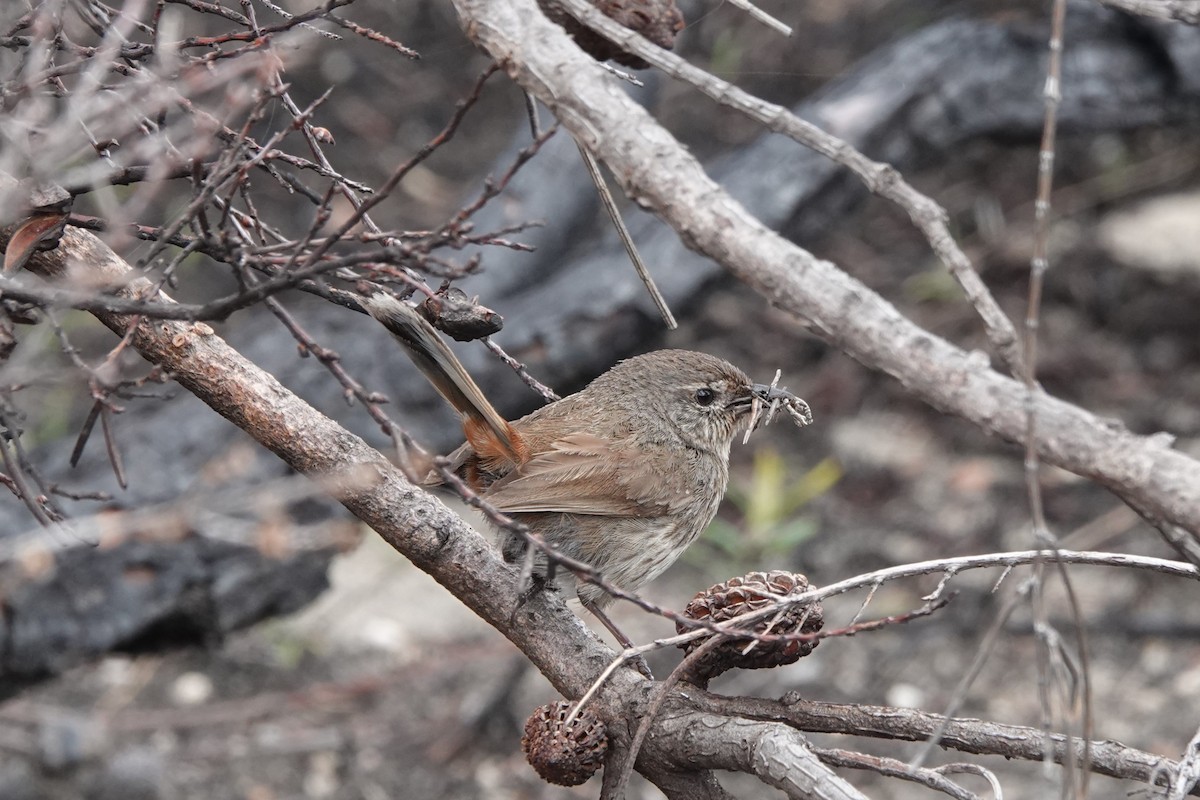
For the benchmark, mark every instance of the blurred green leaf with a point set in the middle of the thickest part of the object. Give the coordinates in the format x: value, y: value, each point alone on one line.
x: 935, y: 284
x: 788, y: 537
x: 723, y: 536
x: 287, y: 647
x: 812, y: 484
x: 765, y: 507
x: 771, y: 506
x: 727, y: 53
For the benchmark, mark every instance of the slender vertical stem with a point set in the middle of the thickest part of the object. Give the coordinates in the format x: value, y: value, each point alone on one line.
x: 1050, y: 646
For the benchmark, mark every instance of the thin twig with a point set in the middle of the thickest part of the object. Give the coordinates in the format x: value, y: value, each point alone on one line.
x: 545, y: 391
x: 759, y: 15
x: 893, y: 768
x: 1042, y: 536
x: 614, y: 214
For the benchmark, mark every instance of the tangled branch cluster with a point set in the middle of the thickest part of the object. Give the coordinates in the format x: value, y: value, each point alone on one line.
x: 195, y: 151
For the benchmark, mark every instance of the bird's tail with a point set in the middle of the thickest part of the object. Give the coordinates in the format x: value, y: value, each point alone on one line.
x: 487, y: 431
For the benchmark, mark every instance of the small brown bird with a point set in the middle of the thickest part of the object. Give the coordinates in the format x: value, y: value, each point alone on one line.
x: 622, y: 475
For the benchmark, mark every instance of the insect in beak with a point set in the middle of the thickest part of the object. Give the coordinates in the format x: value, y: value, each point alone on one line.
x: 768, y: 399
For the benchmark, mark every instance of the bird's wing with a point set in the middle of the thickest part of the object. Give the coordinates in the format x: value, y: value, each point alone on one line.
x: 585, y: 474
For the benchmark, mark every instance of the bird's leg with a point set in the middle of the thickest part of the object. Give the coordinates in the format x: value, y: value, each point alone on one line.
x: 529, y: 587
x: 526, y: 586
x: 530, y: 582
x: 619, y: 635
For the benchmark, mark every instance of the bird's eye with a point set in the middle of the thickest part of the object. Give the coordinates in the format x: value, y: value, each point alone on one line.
x: 705, y: 396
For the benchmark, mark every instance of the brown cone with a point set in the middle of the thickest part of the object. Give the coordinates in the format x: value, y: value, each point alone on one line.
x: 566, y: 755
x: 738, y: 596
x: 657, y: 20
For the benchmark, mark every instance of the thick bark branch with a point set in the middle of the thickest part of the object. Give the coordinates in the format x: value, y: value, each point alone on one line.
x: 966, y: 735
x: 777, y: 755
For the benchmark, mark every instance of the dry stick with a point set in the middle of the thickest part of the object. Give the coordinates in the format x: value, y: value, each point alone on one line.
x: 548, y: 394
x: 85, y: 433
x: 1187, y: 776
x: 373, y: 35
x: 1187, y: 11
x: 1161, y: 483
x: 771, y: 750
x: 964, y: 735
x: 110, y: 447
x: 531, y: 112
x: 606, y: 199
x: 894, y: 768
x: 967, y: 768
x: 99, y: 300
x: 610, y: 206
x: 16, y: 474
x: 783, y: 758
x: 758, y: 14
x: 882, y: 179
x: 1052, y: 97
